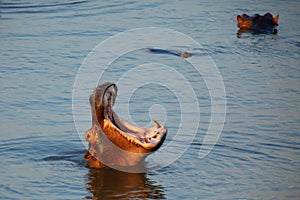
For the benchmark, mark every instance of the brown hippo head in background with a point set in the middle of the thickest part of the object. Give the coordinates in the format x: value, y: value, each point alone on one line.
x: 257, y: 24
x: 114, y: 141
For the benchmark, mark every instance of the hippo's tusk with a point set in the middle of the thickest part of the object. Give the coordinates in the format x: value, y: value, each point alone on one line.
x: 156, y: 124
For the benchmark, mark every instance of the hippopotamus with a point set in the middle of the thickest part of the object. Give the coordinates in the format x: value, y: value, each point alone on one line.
x: 163, y: 51
x: 114, y: 141
x: 257, y: 24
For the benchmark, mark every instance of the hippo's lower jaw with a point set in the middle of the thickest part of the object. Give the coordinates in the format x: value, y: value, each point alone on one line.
x: 114, y: 141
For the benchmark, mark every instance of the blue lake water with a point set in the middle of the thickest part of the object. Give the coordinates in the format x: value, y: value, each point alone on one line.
x: 43, y: 45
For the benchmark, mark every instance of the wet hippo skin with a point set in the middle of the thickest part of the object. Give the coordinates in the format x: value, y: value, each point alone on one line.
x: 114, y: 141
x: 258, y: 24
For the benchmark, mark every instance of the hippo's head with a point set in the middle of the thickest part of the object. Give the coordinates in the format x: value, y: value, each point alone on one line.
x: 185, y: 54
x: 257, y: 23
x: 114, y: 141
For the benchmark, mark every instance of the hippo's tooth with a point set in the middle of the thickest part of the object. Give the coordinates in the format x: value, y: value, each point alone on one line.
x: 156, y: 124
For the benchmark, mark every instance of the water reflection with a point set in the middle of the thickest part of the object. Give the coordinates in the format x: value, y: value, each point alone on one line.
x: 112, y: 184
x: 244, y: 31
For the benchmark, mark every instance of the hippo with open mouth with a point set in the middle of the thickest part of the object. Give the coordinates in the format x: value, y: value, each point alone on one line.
x: 257, y: 24
x: 114, y: 141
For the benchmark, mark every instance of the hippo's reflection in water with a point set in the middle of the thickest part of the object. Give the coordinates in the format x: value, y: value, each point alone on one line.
x: 109, y: 183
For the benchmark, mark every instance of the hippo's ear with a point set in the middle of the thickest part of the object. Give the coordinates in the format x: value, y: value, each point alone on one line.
x: 240, y: 20
x: 276, y: 19
x: 91, y: 135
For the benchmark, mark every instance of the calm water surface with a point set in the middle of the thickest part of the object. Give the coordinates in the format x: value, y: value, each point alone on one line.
x: 43, y: 45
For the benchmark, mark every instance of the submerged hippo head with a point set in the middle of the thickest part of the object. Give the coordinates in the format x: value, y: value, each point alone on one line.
x: 185, y: 54
x: 114, y: 141
x: 258, y: 23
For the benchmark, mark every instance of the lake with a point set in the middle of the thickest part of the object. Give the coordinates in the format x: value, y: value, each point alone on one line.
x: 241, y: 111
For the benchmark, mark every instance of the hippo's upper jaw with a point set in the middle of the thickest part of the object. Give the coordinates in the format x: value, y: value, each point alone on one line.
x: 114, y: 141
x: 257, y: 23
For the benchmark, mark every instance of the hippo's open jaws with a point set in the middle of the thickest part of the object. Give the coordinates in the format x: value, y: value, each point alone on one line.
x: 114, y: 141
